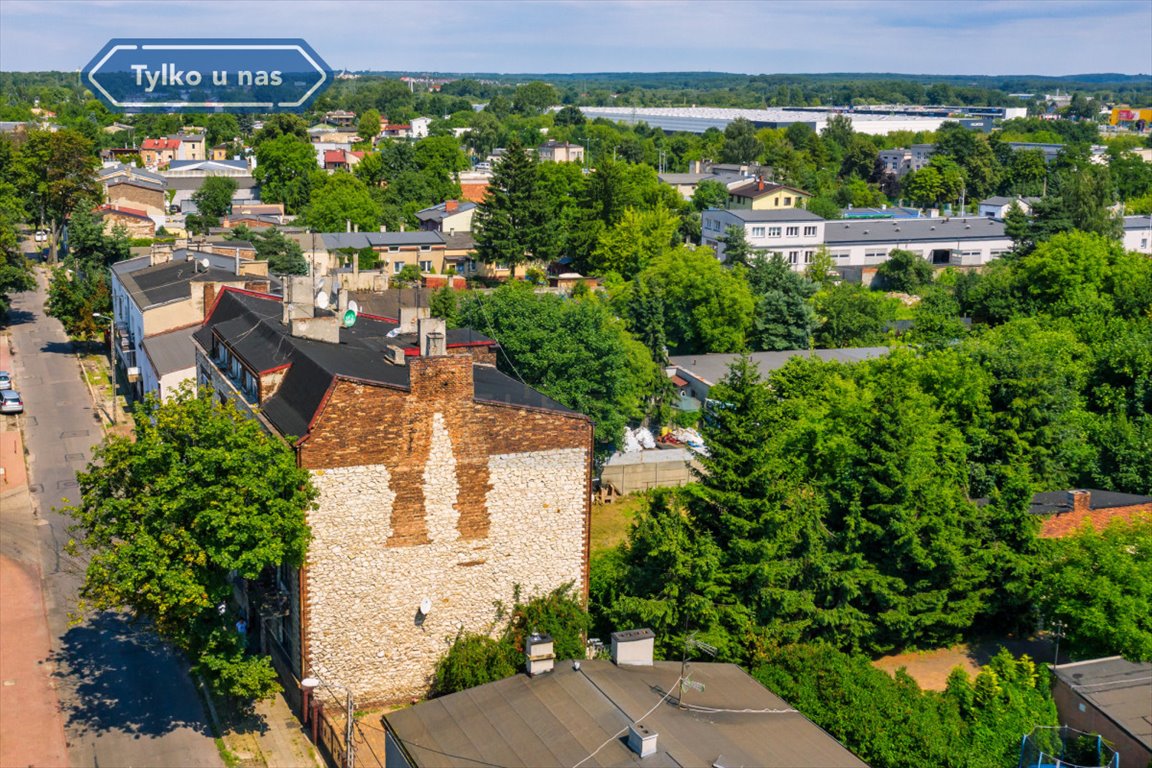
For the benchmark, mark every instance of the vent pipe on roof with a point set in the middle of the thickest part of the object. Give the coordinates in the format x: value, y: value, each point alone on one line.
x: 538, y: 655
x: 642, y: 740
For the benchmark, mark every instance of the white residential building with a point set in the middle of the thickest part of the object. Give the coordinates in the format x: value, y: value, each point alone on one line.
x: 900, y: 161
x: 967, y: 242
x: 794, y: 233
x: 1138, y: 234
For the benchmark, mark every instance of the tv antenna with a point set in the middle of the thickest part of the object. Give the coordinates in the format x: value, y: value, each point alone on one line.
x: 686, y: 681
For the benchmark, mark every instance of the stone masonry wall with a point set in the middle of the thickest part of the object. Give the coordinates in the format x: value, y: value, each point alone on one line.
x: 431, y: 495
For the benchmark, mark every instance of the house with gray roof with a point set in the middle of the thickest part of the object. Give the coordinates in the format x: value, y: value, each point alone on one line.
x: 794, y: 233
x: 955, y: 241
x: 169, y: 291
x: 605, y: 714
x: 1138, y: 234
x: 448, y: 217
x: 701, y: 372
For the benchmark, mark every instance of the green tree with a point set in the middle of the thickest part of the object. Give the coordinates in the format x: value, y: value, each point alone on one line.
x: 283, y: 254
x: 77, y: 290
x: 213, y: 200
x: 287, y: 171
x: 575, y: 352
x: 710, y: 194
x: 849, y: 315
x: 904, y: 271
x: 634, y: 241
x: 342, y: 198
x: 510, y: 223
x: 707, y: 308
x: 570, y: 116
x: 368, y: 126
x: 740, y: 142
x: 784, y: 318
x: 533, y: 98
x: 444, y: 305
x: 1098, y: 584
x: 736, y: 247
x: 200, y: 493
x: 221, y: 128
x: 279, y: 125
x: 54, y: 177
x: 473, y: 660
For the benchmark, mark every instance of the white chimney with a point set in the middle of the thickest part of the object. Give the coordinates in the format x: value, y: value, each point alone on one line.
x: 433, y: 335
x: 642, y: 740
x: 633, y: 647
x: 538, y: 655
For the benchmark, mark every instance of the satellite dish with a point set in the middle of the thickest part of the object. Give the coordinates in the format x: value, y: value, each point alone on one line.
x: 349, y: 319
x: 322, y: 300
x: 426, y: 606
x: 353, y: 306
x: 205, y: 263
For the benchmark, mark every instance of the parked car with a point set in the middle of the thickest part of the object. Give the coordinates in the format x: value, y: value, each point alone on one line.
x: 5, y: 380
x: 10, y: 401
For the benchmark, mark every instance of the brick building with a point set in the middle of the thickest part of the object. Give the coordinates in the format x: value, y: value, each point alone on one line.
x: 1066, y: 512
x: 443, y: 483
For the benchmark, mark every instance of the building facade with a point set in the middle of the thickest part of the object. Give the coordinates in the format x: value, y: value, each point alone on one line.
x: 445, y: 487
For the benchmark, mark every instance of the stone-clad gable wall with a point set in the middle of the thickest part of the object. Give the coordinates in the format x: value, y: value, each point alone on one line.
x: 431, y: 495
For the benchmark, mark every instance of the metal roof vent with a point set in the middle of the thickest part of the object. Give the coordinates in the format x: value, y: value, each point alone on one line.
x: 642, y: 740
x: 633, y: 647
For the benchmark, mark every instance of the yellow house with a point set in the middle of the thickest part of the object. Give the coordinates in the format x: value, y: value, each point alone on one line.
x: 759, y: 195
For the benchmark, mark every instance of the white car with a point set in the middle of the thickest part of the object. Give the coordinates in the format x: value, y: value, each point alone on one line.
x: 10, y: 401
x: 5, y: 380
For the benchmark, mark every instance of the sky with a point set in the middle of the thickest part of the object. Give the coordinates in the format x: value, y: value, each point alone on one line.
x: 977, y: 37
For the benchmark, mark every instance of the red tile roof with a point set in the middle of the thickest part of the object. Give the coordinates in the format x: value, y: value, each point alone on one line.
x: 160, y: 144
x: 106, y: 210
x: 332, y: 156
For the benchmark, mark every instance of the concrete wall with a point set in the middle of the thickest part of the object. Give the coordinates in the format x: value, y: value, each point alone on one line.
x: 431, y: 495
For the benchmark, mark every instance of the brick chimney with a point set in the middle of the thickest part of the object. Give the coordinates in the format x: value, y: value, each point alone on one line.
x: 1080, y: 502
x: 445, y: 379
x: 759, y: 183
x: 450, y: 206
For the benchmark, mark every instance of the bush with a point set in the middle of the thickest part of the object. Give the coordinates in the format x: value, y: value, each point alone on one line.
x: 474, y: 660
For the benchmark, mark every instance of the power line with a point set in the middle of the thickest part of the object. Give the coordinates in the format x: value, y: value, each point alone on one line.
x: 624, y: 730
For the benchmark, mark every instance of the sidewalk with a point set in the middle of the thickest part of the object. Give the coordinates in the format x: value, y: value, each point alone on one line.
x: 31, y: 723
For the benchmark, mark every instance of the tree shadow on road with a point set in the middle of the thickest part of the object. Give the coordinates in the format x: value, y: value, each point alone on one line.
x: 125, y: 679
x: 58, y: 347
x: 18, y: 317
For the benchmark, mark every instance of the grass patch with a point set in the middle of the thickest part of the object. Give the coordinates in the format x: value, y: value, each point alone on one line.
x: 610, y: 522
x: 226, y: 755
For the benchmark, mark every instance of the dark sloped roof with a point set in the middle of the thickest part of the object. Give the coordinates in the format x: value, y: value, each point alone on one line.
x: 1055, y: 502
x: 336, y: 240
x: 169, y: 281
x: 563, y: 717
x: 754, y: 189
x: 775, y: 214
x: 251, y: 325
x: 171, y: 351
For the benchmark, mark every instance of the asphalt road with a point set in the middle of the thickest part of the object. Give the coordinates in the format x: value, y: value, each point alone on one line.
x: 127, y: 699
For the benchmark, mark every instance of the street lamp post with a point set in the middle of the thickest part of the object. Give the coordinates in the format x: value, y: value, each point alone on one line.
x: 111, y: 358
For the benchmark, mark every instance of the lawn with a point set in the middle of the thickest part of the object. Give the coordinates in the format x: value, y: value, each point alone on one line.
x: 610, y: 522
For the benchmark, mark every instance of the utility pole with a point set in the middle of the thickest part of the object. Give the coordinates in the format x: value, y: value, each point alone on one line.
x: 349, y: 745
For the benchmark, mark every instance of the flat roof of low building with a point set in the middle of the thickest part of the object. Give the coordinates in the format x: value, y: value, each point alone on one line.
x: 712, y: 368
x: 775, y: 214
x: 571, y: 716
x: 1120, y: 689
x: 842, y: 232
x: 171, y: 351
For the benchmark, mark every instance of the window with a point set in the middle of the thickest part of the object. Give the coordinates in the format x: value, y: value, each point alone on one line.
x: 808, y: 256
x: 809, y: 231
x: 793, y: 257
x: 787, y: 201
x: 840, y: 254
x: 426, y: 266
x: 393, y: 249
x: 757, y: 231
x: 425, y: 247
x: 793, y: 231
x: 875, y: 254
x: 397, y: 267
x: 1143, y: 242
x: 773, y: 231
